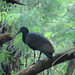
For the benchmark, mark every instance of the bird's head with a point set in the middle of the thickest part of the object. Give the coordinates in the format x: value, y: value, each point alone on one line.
x: 23, y: 30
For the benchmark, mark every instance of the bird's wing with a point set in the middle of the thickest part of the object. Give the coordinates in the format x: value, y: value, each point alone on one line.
x: 39, y: 42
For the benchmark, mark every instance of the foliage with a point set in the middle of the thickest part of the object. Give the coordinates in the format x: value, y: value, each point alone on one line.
x: 55, y: 19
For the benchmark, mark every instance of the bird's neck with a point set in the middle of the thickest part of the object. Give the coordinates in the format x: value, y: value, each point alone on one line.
x: 24, y: 36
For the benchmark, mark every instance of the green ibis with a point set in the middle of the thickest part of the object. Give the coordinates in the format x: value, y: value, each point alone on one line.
x: 36, y: 41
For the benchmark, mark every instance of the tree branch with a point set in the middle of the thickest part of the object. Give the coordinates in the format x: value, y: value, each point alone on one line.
x: 5, y: 38
x: 47, y: 63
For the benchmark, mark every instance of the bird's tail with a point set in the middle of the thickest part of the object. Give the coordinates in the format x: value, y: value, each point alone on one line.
x: 49, y: 55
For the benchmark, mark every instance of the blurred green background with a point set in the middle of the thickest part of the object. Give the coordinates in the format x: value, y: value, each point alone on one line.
x: 55, y: 19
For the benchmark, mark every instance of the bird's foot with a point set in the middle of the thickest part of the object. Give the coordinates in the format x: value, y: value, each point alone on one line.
x: 32, y: 63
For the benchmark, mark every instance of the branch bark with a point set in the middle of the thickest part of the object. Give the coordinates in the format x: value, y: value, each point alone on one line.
x: 5, y: 38
x: 47, y: 63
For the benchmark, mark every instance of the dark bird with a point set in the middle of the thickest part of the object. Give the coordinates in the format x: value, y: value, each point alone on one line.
x: 36, y: 41
x: 13, y: 2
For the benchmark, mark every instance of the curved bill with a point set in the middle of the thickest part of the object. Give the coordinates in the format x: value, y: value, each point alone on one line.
x: 16, y: 34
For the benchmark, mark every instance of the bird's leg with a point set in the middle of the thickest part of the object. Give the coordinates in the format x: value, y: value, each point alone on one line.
x: 34, y: 56
x: 39, y: 56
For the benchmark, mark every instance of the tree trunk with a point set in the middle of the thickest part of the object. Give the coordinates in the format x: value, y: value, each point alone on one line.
x: 5, y: 38
x: 71, y: 67
x: 46, y: 63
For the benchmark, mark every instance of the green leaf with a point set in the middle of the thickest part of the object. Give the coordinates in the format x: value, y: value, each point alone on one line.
x: 48, y: 34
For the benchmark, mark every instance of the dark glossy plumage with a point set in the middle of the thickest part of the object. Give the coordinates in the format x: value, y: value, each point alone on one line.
x: 13, y: 2
x: 36, y: 41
